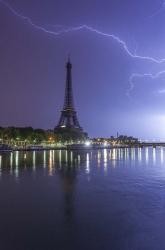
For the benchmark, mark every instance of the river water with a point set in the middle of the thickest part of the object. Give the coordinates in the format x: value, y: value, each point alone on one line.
x: 80, y: 200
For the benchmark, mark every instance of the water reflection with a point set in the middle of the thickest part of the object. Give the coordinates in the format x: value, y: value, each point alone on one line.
x: 11, y: 163
x: 71, y: 156
x: 87, y: 164
x: 63, y: 205
x: 114, y: 155
x: 132, y: 154
x: 48, y: 161
x: 127, y: 153
x: 146, y: 155
x: 16, y: 171
x: 25, y: 156
x: 66, y: 155
x: 68, y: 178
x: 139, y: 154
x: 105, y: 160
x: 60, y: 157
x: 44, y: 163
x: 162, y: 155
x: 154, y: 155
x: 50, y: 166
x: 34, y: 160
x: 98, y: 158
x: 121, y: 153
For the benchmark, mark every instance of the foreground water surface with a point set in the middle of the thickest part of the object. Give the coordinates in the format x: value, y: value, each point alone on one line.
x: 100, y: 199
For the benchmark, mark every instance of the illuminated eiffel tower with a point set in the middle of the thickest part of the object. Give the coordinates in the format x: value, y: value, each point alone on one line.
x: 68, y: 122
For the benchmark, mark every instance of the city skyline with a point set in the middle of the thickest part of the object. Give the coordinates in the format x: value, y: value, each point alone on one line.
x: 118, y: 65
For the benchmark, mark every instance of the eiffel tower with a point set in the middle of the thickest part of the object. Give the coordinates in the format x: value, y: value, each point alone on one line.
x: 68, y: 122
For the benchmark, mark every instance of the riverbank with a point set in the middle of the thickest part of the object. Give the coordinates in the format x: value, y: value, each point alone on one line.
x: 68, y: 147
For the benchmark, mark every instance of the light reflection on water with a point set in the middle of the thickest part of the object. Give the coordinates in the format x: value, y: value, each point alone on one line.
x: 147, y: 155
x: 50, y: 166
x: 154, y: 155
x: 113, y: 195
x: 105, y: 160
x: 44, y: 163
x: 98, y: 158
x: 87, y: 164
x: 34, y: 160
x: 16, y: 171
x: 139, y: 154
x: 49, y: 160
x: 162, y: 155
x: 11, y: 163
x: 60, y: 157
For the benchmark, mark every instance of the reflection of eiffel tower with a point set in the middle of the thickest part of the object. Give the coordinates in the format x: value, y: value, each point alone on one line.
x: 68, y: 120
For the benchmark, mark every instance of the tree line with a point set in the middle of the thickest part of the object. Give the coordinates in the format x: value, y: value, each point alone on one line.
x: 26, y: 133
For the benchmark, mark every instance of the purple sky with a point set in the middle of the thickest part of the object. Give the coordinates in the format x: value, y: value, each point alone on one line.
x: 118, y: 71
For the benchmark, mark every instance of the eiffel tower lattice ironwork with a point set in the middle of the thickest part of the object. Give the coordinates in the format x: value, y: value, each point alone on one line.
x: 68, y: 118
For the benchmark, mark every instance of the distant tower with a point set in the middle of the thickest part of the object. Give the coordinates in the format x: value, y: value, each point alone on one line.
x: 68, y: 120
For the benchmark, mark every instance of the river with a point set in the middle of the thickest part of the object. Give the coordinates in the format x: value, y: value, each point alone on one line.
x: 99, y: 200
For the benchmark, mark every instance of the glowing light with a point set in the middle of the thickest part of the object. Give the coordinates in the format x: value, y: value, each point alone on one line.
x: 63, y: 126
x: 87, y: 143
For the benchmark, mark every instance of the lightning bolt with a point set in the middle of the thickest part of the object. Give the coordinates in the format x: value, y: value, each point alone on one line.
x: 57, y: 30
x: 82, y: 27
x: 137, y: 75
